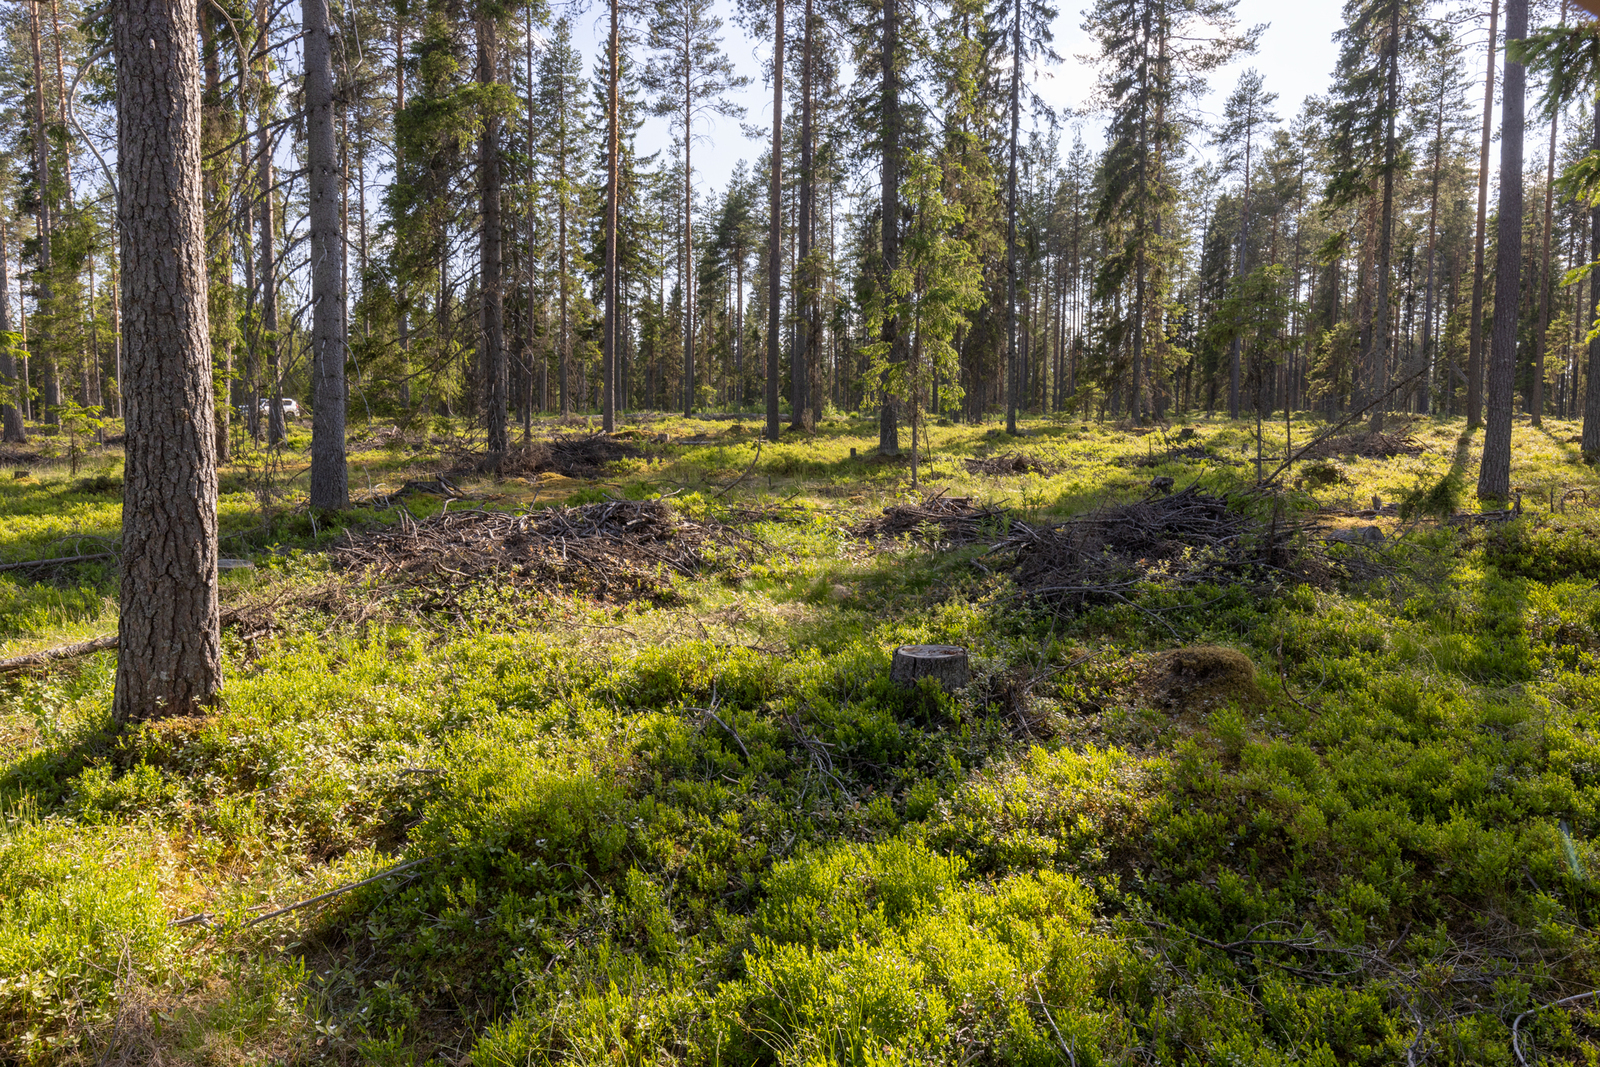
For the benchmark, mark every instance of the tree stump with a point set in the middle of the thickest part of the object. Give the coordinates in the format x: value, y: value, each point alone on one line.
x: 945, y: 663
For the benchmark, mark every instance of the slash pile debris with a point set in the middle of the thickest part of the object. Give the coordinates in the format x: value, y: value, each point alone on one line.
x: 1365, y: 446
x: 574, y: 456
x: 939, y: 521
x: 1009, y: 463
x: 617, y: 551
x: 1190, y: 536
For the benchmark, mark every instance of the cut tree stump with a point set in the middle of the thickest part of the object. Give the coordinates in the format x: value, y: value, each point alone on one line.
x: 947, y: 664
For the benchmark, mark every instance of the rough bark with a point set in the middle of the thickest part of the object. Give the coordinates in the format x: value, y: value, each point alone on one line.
x: 169, y: 631
x: 1494, y: 474
x: 490, y: 275
x: 1475, y: 344
x: 330, y: 487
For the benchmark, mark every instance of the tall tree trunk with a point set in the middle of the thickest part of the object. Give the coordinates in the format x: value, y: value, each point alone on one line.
x: 219, y: 264
x: 1475, y: 344
x: 689, y: 295
x: 802, y: 353
x: 169, y: 658
x: 888, y: 418
x: 775, y: 231
x: 1013, y: 371
x: 608, y: 407
x: 402, y: 296
x: 1591, y: 389
x: 1379, y: 365
x: 1433, y: 225
x: 329, y: 473
x: 45, y: 298
x: 1494, y: 473
x: 1539, y: 340
x: 12, y: 431
x: 490, y: 280
x: 268, y: 256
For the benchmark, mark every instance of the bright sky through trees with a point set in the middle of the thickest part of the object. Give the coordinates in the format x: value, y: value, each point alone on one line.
x: 1296, y: 57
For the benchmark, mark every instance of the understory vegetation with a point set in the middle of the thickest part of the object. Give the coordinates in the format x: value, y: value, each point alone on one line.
x: 1334, y: 806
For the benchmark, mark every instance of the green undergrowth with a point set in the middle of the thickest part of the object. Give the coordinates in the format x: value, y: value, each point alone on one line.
x: 712, y: 831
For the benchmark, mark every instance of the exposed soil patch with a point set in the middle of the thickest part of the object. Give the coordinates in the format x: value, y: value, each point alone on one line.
x: 15, y: 454
x: 1365, y: 446
x: 617, y: 551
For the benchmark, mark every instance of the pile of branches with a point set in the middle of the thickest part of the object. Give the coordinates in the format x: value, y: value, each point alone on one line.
x: 619, y: 551
x: 938, y: 521
x: 1189, y: 536
x: 1009, y: 463
x: 570, y: 455
x: 1364, y: 446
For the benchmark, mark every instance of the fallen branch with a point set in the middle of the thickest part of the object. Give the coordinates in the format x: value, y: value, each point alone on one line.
x: 743, y: 476
x: 82, y: 648
x: 57, y: 560
x: 50, y: 655
x: 204, y: 917
x: 1516, y: 1024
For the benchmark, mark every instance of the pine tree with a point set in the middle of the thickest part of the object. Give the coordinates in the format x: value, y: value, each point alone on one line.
x: 1494, y: 471
x: 691, y: 77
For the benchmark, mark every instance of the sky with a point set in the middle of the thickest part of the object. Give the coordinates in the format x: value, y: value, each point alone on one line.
x: 1296, y: 58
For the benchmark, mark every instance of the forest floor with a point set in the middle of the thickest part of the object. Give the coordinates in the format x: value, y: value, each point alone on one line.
x: 1306, y: 775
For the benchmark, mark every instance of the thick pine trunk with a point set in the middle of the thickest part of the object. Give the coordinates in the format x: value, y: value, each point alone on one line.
x: 1475, y: 345
x: 490, y: 280
x: 1494, y: 474
x: 169, y: 636
x: 330, y: 486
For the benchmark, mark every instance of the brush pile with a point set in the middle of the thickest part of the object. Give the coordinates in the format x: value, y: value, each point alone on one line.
x: 573, y: 456
x: 1009, y: 463
x: 1364, y: 446
x: 619, y: 551
x: 1190, y: 536
x: 939, y: 522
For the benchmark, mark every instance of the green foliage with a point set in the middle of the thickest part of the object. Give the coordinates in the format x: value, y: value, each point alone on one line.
x: 714, y: 832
